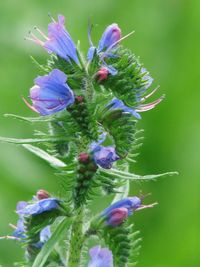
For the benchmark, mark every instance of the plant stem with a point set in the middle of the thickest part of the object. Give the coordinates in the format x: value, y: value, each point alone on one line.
x: 76, y: 241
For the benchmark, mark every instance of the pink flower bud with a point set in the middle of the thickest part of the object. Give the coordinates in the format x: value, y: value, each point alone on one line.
x: 117, y: 216
x: 84, y: 158
x: 102, y: 74
x: 79, y: 99
x: 42, y: 194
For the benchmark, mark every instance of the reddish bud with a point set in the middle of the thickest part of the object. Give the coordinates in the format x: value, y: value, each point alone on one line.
x: 117, y: 216
x: 102, y: 74
x: 42, y: 194
x: 79, y: 99
x: 84, y: 158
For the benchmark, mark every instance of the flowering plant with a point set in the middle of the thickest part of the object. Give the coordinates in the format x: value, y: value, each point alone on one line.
x: 90, y: 107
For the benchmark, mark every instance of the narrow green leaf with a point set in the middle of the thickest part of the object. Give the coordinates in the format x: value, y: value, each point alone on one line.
x: 30, y: 119
x: 57, y: 235
x: 130, y: 176
x: 32, y: 140
x: 44, y: 155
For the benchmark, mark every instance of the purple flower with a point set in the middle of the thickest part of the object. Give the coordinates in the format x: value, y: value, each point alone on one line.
x: 20, y: 229
x: 50, y: 93
x: 119, y: 104
x: 100, y: 257
x: 58, y: 40
x: 45, y: 234
x: 110, y: 37
x: 108, y: 41
x: 39, y: 207
x: 104, y: 156
x: 129, y: 203
x: 117, y: 216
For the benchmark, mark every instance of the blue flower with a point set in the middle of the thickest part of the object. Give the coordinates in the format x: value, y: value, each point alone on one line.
x: 129, y: 203
x: 39, y: 207
x: 105, y: 156
x: 58, y: 40
x: 51, y: 93
x: 45, y: 234
x: 20, y: 229
x: 110, y: 37
x: 100, y: 257
x: 119, y: 104
x: 108, y: 41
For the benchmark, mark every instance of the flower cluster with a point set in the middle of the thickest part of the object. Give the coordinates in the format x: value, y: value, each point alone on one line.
x: 40, y: 204
x: 89, y: 107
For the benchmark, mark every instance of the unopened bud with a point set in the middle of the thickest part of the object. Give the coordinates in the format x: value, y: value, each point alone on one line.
x: 102, y: 74
x: 84, y: 158
x: 117, y: 216
x: 79, y: 99
x: 42, y: 194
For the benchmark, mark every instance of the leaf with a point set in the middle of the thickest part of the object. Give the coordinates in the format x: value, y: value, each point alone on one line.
x: 130, y: 176
x: 30, y: 119
x: 32, y: 140
x: 57, y: 235
x: 44, y: 155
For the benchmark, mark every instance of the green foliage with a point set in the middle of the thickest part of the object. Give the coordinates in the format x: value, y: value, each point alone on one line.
x: 57, y: 235
x: 123, y: 242
x: 121, y: 126
x: 128, y: 84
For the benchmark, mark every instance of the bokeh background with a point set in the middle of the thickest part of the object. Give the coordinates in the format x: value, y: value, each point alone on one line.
x: 167, y: 39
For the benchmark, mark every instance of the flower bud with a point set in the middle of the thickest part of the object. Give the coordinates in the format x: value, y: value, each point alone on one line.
x: 42, y: 194
x: 79, y: 99
x: 84, y: 158
x: 117, y: 216
x: 110, y: 37
x: 102, y: 74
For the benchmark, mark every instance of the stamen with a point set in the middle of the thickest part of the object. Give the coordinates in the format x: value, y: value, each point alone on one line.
x: 51, y: 17
x: 123, y: 38
x: 9, y: 237
x: 144, y: 196
x: 150, y: 94
x: 149, y: 106
x: 41, y: 32
x: 29, y: 105
x: 34, y: 39
x: 147, y: 206
x: 13, y: 226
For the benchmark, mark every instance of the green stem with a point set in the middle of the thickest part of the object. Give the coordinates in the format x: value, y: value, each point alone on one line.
x: 76, y: 241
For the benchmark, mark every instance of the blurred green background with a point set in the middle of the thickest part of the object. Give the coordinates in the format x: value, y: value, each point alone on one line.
x: 167, y: 39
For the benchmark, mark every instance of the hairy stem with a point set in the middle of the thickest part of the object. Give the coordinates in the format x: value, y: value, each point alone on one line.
x: 76, y: 241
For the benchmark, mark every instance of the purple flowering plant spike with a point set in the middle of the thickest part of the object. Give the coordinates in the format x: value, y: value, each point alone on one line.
x: 86, y: 108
